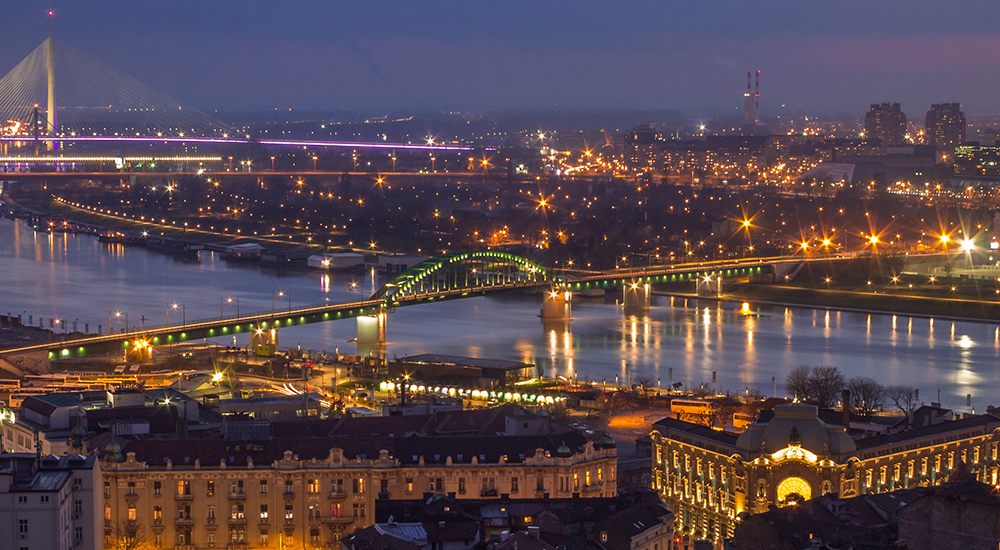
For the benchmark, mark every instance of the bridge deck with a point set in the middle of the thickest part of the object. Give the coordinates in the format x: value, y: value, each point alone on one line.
x: 227, y: 326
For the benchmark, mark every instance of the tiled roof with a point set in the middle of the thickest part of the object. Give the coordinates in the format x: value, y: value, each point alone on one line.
x: 639, y: 518
x: 407, y: 450
x: 698, y: 430
x: 986, y: 421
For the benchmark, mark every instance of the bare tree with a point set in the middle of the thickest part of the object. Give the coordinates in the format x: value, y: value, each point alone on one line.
x: 643, y: 383
x: 903, y: 397
x: 723, y: 410
x: 820, y: 385
x: 825, y: 385
x: 797, y: 381
x: 128, y: 535
x: 867, y: 395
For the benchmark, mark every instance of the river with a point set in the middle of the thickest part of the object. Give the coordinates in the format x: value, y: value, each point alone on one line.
x: 77, y: 278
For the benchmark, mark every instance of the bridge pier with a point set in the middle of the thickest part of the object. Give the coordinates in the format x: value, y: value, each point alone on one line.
x: 635, y: 298
x: 557, y: 306
x: 372, y: 330
x: 263, y: 337
x: 709, y: 285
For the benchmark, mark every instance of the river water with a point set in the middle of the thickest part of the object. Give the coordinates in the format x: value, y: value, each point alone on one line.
x: 77, y: 278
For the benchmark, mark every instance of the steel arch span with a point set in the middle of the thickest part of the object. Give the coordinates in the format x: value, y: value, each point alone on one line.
x: 460, y: 271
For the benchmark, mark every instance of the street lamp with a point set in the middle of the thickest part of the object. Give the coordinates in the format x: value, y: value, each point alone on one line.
x: 230, y: 302
x: 272, y: 164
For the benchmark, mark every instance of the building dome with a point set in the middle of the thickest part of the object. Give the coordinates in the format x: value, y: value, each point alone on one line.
x: 78, y: 431
x: 796, y: 424
x: 564, y: 450
x: 608, y: 443
x: 113, y: 452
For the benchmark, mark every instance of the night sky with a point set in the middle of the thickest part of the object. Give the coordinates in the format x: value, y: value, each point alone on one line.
x: 392, y: 55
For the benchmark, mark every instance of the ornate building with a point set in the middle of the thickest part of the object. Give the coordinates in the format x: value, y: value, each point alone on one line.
x: 709, y: 477
x: 309, y: 489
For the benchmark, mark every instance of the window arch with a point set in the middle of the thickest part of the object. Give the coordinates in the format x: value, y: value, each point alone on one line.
x: 793, y: 489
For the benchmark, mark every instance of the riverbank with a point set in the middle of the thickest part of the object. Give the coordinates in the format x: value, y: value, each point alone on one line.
x: 88, y: 217
x: 960, y: 309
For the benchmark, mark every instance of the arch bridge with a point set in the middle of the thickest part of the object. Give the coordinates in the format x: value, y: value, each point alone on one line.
x: 452, y: 276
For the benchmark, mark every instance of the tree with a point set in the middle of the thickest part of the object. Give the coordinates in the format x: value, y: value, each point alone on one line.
x: 643, y: 383
x: 723, y: 409
x: 797, y: 381
x: 127, y: 535
x: 825, y: 385
x: 867, y: 395
x: 903, y: 397
x: 820, y: 385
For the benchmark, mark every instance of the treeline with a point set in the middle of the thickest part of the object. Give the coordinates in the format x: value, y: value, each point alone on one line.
x: 823, y: 385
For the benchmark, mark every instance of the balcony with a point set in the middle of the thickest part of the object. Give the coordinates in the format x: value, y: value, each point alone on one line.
x: 337, y: 521
x: 132, y: 495
x: 595, y: 488
x: 288, y: 493
x: 383, y: 495
x: 337, y: 495
x: 183, y: 496
x: 237, y: 496
x: 488, y: 492
x: 238, y: 521
x: 188, y: 520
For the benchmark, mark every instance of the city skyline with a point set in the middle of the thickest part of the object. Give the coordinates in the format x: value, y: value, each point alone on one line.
x: 557, y: 57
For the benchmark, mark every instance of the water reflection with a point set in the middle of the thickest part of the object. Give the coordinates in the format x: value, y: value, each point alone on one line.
x: 68, y: 276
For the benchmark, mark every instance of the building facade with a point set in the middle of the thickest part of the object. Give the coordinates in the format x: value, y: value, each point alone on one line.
x: 944, y: 128
x: 49, y: 502
x: 311, y: 492
x: 887, y: 123
x: 709, y: 477
x: 642, y: 147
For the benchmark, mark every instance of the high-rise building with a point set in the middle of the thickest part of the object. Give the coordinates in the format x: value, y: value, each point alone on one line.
x: 945, y: 126
x: 886, y: 123
x: 641, y: 147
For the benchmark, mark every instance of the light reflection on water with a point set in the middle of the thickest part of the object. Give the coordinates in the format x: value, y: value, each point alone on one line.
x: 75, y: 277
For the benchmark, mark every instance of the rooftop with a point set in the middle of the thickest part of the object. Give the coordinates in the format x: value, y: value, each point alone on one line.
x: 464, y: 361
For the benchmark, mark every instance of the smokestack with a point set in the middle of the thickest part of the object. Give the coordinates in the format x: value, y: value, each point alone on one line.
x: 845, y: 402
x: 747, y: 101
x: 756, y: 100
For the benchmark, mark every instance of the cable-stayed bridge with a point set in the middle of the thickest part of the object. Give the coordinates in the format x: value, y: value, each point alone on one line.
x: 60, y: 95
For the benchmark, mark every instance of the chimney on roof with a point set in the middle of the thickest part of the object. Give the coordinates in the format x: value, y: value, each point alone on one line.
x: 534, y: 531
x: 441, y: 524
x: 845, y: 405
